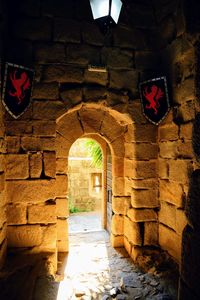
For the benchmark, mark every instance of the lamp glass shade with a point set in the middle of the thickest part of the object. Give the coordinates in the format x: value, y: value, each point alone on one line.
x: 100, y: 8
x: 115, y: 9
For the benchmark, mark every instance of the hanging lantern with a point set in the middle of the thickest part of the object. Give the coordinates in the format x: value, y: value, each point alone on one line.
x: 106, y: 12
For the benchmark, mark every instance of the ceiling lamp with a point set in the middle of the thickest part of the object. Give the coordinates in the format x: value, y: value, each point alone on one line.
x: 106, y: 12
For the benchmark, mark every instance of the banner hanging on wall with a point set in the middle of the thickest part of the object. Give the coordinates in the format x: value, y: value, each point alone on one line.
x: 17, y: 89
x: 154, y: 99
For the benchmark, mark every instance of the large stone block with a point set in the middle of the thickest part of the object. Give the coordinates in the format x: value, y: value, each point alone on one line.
x: 117, y: 166
x: 185, y: 112
x: 141, y: 133
x: 46, y: 91
x: 142, y: 215
x: 185, y: 149
x: 13, y: 144
x: 71, y: 95
x: 117, y: 240
x: 62, y: 74
x: 3, y: 233
x: 61, y: 185
x: 168, y: 132
x: 111, y: 128
x: 141, y: 151
x: 185, y: 91
x: 142, y: 184
x: 48, y: 110
x: 163, y: 168
x: 30, y: 191
x: 144, y: 198
x: 146, y: 59
x: 17, y: 166
x: 49, y: 160
x: 61, y: 166
x: 132, y: 232
x: 170, y: 241
x: 62, y: 146
x: 2, y: 162
x: 167, y: 214
x: 62, y: 207
x: 100, y: 78
x: 180, y: 170
x: 181, y: 221
x: 35, y: 164
x: 43, y: 214
x: 140, y: 169
x: 2, y: 181
x: 171, y: 192
x: 127, y: 245
x: 120, y: 205
x: 66, y: 30
x: 124, y: 79
x: 15, y: 128
x: 191, y: 259
x: 125, y: 37
x: 91, y: 34
x: 51, y: 53
x: 118, y: 186
x: 150, y: 234
x: 16, y: 214
x: 118, y: 58
x: 135, y: 111
x: 91, y: 119
x: 63, y: 245
x: 62, y: 229
x: 169, y: 149
x: 24, y: 236
x: 83, y: 54
x: 3, y: 253
x: 117, y: 225
x: 49, y: 239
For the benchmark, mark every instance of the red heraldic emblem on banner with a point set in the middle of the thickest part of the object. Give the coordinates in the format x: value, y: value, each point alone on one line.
x: 17, y: 90
x: 155, y: 99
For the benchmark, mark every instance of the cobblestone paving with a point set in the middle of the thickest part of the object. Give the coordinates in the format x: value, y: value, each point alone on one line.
x: 94, y: 270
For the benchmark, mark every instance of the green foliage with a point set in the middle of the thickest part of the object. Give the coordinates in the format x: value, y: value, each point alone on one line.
x: 95, y: 152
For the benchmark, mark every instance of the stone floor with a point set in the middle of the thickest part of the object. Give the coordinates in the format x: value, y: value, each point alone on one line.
x: 84, y: 222
x: 92, y: 270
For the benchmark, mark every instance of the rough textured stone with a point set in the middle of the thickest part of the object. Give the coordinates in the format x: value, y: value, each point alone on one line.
x: 67, y: 30
x: 144, y: 198
x: 70, y: 127
x: 83, y: 54
x: 14, y: 128
x: 61, y: 185
x: 35, y: 163
x: 48, y: 110
x: 185, y: 92
x: 127, y: 80
x: 142, y: 215
x: 49, y: 160
x: 16, y: 214
x: 170, y: 241
x: 117, y: 225
x: 62, y: 229
x: 117, y: 240
x: 91, y: 119
x: 117, y: 58
x: 141, y: 151
x: 62, y: 207
x: 49, y: 238
x: 111, y: 132
x: 100, y: 78
x: 169, y: 149
x: 168, y: 132
x: 43, y: 214
x: 120, y: 205
x: 185, y: 112
x: 62, y: 73
x: 73, y: 96
x: 132, y: 232
x: 17, y: 166
x: 61, y: 166
x: 163, y: 169
x: 150, y: 234
x: 186, y: 131
x: 167, y: 215
x: 46, y: 91
x: 13, y: 144
x: 171, y: 192
x: 140, y: 169
x: 24, y: 236
x: 2, y: 181
x: 142, y: 184
x: 54, y: 53
x: 146, y: 59
x: 180, y: 170
x: 63, y: 245
x: 30, y: 191
x: 118, y: 186
x: 181, y: 221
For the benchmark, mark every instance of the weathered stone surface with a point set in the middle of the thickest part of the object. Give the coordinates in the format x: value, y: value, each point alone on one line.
x: 132, y: 232
x: 118, y: 186
x: 140, y: 169
x: 17, y: 166
x: 73, y: 96
x: 33, y: 29
x: 167, y: 214
x: 49, y: 161
x: 117, y: 225
x: 62, y: 230
x: 61, y: 185
x: 62, y: 73
x: 141, y: 151
x: 186, y: 131
x: 43, y: 214
x: 141, y: 133
x: 186, y: 91
x: 2, y: 181
x: 46, y: 91
x: 170, y: 241
x: 142, y: 215
x: 118, y: 166
x: 144, y: 198
x: 3, y: 233
x: 181, y: 221
x: 62, y: 207
x: 163, y: 168
x: 185, y: 149
x: 185, y: 112
x: 91, y: 34
x: 94, y: 93
x: 49, y: 238
x: 171, y: 192
x: 180, y: 170
x: 3, y: 253
x: 150, y: 234
x: 132, y: 38
x: 50, y: 53
x: 142, y: 184
x: 18, y: 128
x: 70, y: 127
x: 117, y: 147
x: 62, y: 146
x: 100, y: 78
x: 117, y: 58
x: 16, y: 214
x: 168, y: 132
x: 91, y: 119
x: 120, y: 205
x: 83, y: 54
x: 63, y: 245
x: 168, y: 149
x: 48, y: 110
x: 127, y: 80
x: 30, y: 143
x: 127, y: 245
x: 67, y: 30
x: 35, y: 163
x: 13, y: 144
x: 110, y: 128
x: 30, y: 191
x: 47, y: 143
x: 135, y: 111
x: 2, y: 163
x: 146, y: 60
x: 117, y: 240
x: 61, y: 166
x: 24, y: 236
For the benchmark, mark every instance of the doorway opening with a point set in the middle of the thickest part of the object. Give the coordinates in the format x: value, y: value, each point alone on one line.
x: 85, y: 186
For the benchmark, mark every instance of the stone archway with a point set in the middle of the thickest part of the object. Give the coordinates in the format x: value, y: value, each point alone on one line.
x: 134, y: 169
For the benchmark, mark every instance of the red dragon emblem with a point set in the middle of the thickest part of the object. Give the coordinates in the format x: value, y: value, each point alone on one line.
x: 20, y: 85
x: 153, y: 96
